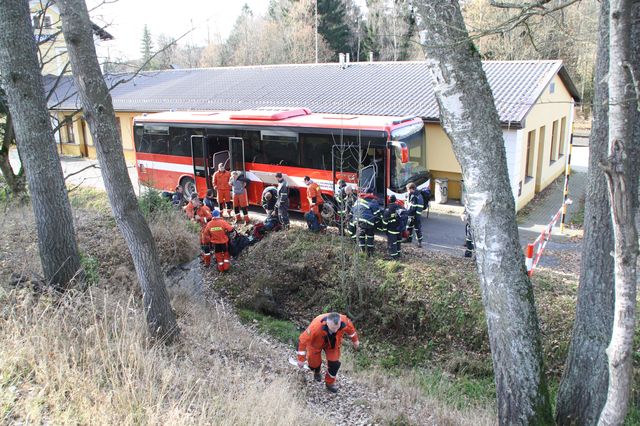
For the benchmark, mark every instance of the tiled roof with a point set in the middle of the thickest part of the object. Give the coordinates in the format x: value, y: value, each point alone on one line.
x: 376, y: 88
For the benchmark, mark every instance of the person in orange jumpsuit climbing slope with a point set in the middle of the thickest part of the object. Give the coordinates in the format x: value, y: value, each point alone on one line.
x: 325, y: 333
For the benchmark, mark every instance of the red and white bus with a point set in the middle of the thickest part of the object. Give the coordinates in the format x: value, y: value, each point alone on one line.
x: 380, y: 154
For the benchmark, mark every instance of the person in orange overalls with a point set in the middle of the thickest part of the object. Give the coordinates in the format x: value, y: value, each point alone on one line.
x: 201, y: 214
x: 325, y: 334
x: 216, y: 234
x: 223, y: 189
x: 315, y: 197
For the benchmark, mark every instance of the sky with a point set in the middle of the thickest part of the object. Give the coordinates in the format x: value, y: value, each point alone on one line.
x: 125, y: 20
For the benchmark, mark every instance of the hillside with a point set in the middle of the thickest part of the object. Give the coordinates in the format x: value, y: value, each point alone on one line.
x: 85, y: 357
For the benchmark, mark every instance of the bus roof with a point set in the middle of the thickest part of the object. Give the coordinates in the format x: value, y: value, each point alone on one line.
x: 285, y: 117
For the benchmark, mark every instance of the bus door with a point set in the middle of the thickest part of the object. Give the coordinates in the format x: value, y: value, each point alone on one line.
x: 367, y: 179
x: 201, y: 165
x: 236, y: 154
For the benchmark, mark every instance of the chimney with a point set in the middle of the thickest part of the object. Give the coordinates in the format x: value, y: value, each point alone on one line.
x: 341, y: 59
x: 370, y: 56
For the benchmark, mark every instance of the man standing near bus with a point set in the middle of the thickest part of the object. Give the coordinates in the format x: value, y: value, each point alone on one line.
x: 315, y: 198
x: 200, y: 214
x: 366, y: 215
x: 415, y: 205
x: 240, y: 200
x: 223, y: 189
x: 283, y: 200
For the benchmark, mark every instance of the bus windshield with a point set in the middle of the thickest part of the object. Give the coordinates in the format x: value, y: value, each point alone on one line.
x: 413, y: 170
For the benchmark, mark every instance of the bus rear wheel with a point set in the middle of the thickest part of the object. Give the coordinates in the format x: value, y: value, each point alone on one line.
x: 189, y: 187
x: 329, y: 211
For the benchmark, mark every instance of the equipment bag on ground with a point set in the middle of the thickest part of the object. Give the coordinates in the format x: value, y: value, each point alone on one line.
x: 237, y: 244
x: 312, y: 222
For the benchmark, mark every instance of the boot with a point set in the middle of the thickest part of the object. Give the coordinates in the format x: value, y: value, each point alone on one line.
x: 226, y: 261
x: 317, y: 376
x: 237, y: 219
x: 333, y: 388
x: 206, y: 259
x: 246, y: 220
x: 220, y: 261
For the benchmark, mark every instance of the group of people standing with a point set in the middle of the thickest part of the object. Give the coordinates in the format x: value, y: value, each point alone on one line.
x: 361, y: 215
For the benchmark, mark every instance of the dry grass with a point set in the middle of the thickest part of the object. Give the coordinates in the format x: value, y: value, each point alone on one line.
x: 85, y: 358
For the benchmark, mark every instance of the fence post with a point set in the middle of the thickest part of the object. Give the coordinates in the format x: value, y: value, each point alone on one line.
x: 529, y: 259
x: 567, y: 174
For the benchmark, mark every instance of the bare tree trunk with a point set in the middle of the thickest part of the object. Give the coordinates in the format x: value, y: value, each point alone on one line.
x: 470, y: 119
x: 622, y: 171
x: 98, y: 110
x: 15, y: 181
x: 582, y: 392
x: 21, y: 79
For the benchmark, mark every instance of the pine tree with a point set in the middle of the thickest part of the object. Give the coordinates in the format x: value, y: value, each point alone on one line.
x: 147, y: 48
x: 333, y: 24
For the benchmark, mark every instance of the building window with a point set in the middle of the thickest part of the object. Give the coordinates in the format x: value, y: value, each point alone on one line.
x: 552, y: 88
x: 46, y: 23
x: 553, y: 156
x: 36, y: 21
x: 563, y: 133
x: 68, y: 126
x: 531, y: 145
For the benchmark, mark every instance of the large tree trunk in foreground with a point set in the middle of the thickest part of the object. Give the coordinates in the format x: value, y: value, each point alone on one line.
x: 98, y: 111
x: 622, y: 171
x: 470, y: 119
x: 583, y: 389
x: 25, y: 95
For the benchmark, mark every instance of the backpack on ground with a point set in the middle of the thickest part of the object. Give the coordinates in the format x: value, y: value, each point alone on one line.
x: 272, y: 223
x: 237, y: 244
x: 312, y: 222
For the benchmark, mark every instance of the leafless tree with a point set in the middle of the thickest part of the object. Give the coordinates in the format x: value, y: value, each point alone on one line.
x: 622, y: 169
x: 98, y: 110
x: 469, y: 117
x: 20, y: 73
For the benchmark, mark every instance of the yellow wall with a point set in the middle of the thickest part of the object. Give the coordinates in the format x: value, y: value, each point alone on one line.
x: 549, y: 108
x: 83, y: 144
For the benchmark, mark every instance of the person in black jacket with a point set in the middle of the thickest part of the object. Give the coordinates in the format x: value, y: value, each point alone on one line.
x: 366, y: 215
x: 269, y: 200
x: 415, y: 205
x: 282, y: 202
x: 391, y: 223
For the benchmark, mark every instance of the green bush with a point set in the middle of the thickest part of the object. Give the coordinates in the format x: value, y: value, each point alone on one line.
x: 152, y: 203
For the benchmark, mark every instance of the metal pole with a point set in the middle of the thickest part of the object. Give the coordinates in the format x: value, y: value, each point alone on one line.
x: 316, y: 4
x: 567, y: 174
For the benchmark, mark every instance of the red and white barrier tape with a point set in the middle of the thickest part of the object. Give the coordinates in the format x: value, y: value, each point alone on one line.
x: 534, y: 250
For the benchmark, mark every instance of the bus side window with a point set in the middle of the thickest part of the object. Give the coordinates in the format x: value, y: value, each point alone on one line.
x: 179, y: 142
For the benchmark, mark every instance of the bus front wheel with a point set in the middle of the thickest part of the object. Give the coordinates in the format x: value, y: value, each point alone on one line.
x: 189, y: 187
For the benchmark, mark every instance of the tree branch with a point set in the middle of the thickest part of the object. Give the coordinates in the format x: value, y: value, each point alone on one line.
x: 92, y: 166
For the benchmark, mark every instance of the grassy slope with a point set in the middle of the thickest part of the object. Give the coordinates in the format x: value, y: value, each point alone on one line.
x: 424, y: 312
